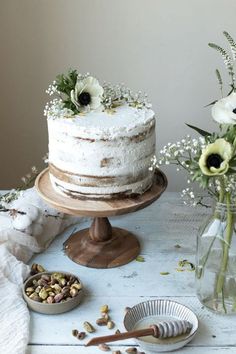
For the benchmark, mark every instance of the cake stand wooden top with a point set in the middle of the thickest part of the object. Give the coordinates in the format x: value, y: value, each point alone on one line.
x: 99, y: 208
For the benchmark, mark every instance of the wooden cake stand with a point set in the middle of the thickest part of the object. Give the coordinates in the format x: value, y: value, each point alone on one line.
x: 100, y: 246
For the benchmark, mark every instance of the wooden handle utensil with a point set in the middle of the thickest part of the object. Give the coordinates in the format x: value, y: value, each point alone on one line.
x: 161, y: 330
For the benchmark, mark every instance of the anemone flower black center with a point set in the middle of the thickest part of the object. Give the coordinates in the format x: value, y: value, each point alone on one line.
x: 214, y: 160
x: 234, y: 110
x: 84, y: 98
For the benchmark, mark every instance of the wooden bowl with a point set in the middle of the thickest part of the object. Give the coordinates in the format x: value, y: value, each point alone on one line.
x: 54, y: 308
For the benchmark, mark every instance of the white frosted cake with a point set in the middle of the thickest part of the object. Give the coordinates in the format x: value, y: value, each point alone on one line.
x: 103, y: 152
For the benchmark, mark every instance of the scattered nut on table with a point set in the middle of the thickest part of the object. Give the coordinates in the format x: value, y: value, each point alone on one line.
x: 75, y: 332
x: 36, y: 268
x: 78, y: 335
x: 104, y: 347
x: 88, y: 327
x: 110, y: 324
x: 102, y: 321
x: 104, y: 309
x: 105, y: 315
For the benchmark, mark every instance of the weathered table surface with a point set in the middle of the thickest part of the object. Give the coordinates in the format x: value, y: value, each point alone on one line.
x: 159, y: 227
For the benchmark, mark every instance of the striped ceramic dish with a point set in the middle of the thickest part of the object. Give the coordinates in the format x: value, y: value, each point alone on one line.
x: 150, y: 312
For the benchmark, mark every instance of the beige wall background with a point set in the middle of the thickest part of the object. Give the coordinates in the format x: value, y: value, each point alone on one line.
x: 159, y: 46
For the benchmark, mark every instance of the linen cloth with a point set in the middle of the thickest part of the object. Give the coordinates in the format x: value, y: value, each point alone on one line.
x: 21, y: 235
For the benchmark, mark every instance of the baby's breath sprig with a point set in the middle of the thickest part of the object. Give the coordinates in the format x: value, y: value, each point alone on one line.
x: 69, y: 100
x: 186, y: 155
x: 115, y: 95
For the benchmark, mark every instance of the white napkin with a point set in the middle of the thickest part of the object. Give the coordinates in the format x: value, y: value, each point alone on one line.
x: 22, y: 235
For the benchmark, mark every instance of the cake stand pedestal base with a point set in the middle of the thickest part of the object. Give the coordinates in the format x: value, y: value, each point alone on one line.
x: 102, y: 246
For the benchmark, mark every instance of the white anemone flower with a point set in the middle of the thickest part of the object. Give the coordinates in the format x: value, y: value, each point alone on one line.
x: 87, y: 94
x: 224, y: 110
x: 215, y: 158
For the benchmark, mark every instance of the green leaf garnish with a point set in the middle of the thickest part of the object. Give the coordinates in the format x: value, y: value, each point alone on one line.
x: 140, y: 259
x: 200, y: 131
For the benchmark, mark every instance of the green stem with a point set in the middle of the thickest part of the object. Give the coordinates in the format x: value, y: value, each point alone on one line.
x: 199, y: 274
x: 216, y: 216
x: 226, y: 247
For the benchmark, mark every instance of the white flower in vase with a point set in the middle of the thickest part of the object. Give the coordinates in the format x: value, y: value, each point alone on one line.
x: 214, y: 160
x: 224, y: 110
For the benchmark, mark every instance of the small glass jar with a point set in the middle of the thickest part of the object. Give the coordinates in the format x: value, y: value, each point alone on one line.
x: 216, y: 260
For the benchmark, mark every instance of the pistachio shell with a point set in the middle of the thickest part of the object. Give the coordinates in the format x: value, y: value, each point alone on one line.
x: 75, y: 332
x: 88, y: 327
x: 58, y: 297
x: 50, y: 300
x: 110, y: 324
x: 35, y: 297
x: 81, y: 335
x: 38, y: 289
x: 40, y: 268
x: 76, y: 286
x: 30, y: 290
x: 104, y: 347
x: 43, y: 294
x: 101, y: 321
x: 73, y: 292
x: 104, y: 308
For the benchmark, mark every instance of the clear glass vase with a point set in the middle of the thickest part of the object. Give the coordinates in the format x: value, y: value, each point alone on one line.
x: 216, y: 260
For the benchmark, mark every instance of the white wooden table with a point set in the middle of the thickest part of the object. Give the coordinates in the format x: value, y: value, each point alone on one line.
x: 159, y: 228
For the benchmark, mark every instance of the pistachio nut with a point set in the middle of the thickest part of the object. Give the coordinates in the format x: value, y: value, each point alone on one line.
x: 35, y: 297
x: 76, y: 286
x: 40, y: 268
x: 43, y: 294
x: 81, y: 335
x: 38, y: 289
x: 104, y: 347
x: 73, y: 292
x: 62, y: 282
x: 106, y: 316
x: 75, y: 332
x: 50, y: 300
x: 58, y: 297
x: 104, y: 308
x: 88, y: 327
x: 101, y: 321
x: 29, y: 290
x: 110, y: 324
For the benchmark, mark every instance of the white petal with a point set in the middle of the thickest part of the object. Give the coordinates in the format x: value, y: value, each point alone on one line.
x: 95, y: 103
x: 222, y: 110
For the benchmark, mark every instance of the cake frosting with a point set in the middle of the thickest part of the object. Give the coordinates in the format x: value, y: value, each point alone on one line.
x: 101, y: 155
x: 101, y: 139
